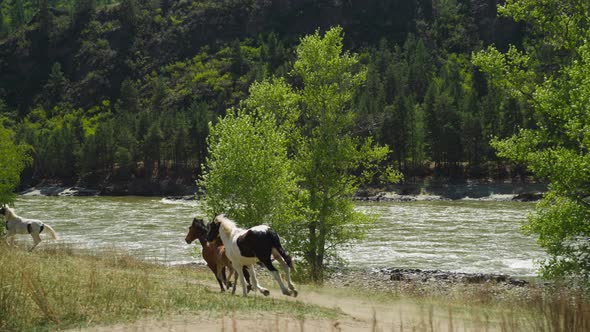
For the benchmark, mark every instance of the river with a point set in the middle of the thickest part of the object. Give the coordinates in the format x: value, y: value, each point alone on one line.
x: 461, y: 236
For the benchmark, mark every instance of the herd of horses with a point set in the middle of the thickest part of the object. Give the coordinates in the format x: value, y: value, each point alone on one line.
x: 225, y: 247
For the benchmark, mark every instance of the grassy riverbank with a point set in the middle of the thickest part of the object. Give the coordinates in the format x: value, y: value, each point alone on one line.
x: 55, y: 289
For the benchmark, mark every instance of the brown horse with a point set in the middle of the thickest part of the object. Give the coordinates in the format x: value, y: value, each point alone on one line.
x: 214, y: 254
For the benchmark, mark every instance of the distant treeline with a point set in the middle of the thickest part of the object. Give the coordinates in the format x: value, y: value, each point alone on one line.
x: 107, y: 90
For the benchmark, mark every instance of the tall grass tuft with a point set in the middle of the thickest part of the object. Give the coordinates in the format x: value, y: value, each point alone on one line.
x: 562, y: 309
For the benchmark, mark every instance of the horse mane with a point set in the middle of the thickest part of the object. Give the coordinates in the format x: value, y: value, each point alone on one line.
x: 227, y: 225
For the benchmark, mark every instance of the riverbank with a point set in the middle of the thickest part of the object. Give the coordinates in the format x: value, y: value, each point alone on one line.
x: 59, y: 288
x: 417, y: 191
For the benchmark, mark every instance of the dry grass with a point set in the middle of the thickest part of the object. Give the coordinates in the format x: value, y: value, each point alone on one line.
x: 60, y: 288
x: 57, y: 289
x: 478, y: 307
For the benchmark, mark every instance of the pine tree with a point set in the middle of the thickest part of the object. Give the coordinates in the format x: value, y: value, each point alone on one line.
x: 153, y: 148
x: 129, y: 14
x: 56, y: 88
x: 420, y: 70
x: 3, y: 26
x: 46, y: 19
x: 17, y: 13
x: 128, y: 97
x: 84, y: 12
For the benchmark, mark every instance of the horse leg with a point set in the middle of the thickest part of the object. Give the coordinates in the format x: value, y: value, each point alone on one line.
x: 255, y: 283
x: 36, y: 240
x: 235, y: 273
x: 266, y: 261
x: 287, y: 270
x: 230, y: 274
x: 242, y: 279
x: 223, y: 276
x: 219, y: 276
x: 247, y: 276
x: 9, y: 238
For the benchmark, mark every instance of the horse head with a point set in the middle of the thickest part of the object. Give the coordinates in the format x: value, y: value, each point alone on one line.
x: 196, y: 230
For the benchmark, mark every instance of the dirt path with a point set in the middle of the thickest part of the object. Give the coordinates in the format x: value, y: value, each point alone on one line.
x: 359, y: 314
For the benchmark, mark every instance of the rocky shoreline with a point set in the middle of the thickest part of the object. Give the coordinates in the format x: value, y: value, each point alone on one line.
x: 393, y: 278
x: 426, y: 281
x: 394, y: 274
x: 394, y: 197
x: 362, y: 196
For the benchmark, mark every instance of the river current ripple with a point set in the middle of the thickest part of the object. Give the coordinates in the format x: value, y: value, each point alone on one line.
x: 459, y: 236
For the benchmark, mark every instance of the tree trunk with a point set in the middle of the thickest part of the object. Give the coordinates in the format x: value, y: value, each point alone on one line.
x: 312, y: 254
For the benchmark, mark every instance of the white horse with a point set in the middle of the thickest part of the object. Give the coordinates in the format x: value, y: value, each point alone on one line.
x: 17, y: 225
x: 245, y: 247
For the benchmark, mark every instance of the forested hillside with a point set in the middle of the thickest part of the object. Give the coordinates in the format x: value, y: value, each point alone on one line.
x: 110, y: 91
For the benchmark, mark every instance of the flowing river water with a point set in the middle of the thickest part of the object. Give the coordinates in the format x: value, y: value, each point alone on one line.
x: 460, y: 236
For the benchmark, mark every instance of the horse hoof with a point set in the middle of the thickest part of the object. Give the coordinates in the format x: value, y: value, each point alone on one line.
x: 287, y: 292
x: 295, y: 293
x: 266, y: 292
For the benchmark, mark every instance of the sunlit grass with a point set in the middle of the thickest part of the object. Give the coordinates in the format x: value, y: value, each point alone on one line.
x: 477, y: 307
x: 56, y: 289
x: 59, y: 288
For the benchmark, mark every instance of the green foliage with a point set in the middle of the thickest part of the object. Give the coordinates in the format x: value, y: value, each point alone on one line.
x: 18, y: 14
x: 262, y: 168
x: 129, y: 13
x: 510, y: 71
x: 84, y: 12
x: 249, y: 174
x: 561, y: 23
x: 453, y: 29
x: 557, y: 148
x: 329, y: 154
x: 14, y: 159
x: 158, y: 60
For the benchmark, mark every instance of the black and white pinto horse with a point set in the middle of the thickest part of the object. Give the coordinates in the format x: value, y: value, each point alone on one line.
x: 245, y: 247
x: 17, y: 225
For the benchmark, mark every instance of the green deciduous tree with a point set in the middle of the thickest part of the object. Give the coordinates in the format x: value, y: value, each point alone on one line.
x: 14, y: 159
x: 300, y: 178
x: 557, y: 149
x: 330, y: 153
x: 249, y: 174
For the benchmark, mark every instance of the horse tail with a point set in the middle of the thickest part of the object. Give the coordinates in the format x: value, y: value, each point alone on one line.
x: 51, y: 231
x: 277, y: 245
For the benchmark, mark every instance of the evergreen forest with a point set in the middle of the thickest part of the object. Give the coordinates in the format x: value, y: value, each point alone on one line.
x: 119, y: 91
